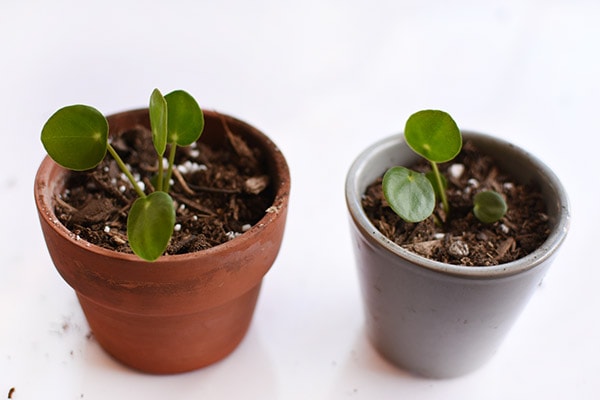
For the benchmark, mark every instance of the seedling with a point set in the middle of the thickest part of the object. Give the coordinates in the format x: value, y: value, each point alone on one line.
x: 76, y: 137
x: 412, y: 195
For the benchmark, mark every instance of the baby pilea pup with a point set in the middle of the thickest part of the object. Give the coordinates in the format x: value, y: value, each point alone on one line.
x: 412, y: 195
x: 76, y: 137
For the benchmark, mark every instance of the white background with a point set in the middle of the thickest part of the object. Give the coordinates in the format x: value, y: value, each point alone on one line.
x: 324, y: 79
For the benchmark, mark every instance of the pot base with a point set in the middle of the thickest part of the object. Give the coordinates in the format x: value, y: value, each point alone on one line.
x: 171, y: 344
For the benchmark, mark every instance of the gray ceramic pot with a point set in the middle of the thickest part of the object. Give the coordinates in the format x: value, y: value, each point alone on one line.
x: 435, y: 319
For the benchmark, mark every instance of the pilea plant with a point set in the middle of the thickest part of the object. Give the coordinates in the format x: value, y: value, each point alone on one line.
x: 412, y: 195
x: 76, y: 137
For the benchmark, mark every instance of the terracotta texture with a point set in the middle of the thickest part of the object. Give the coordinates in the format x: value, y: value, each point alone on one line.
x: 436, y: 319
x: 181, y: 312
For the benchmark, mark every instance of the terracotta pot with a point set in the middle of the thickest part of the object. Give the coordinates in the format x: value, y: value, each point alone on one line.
x: 181, y: 312
x: 432, y: 318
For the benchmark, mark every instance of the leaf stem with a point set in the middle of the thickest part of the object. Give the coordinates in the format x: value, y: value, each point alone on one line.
x: 123, y: 168
x: 172, y: 151
x: 440, y: 185
x: 160, y: 183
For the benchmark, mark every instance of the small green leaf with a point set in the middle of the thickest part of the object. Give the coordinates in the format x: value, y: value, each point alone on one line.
x: 434, y: 135
x: 409, y: 194
x: 489, y: 206
x: 150, y: 225
x: 158, y: 121
x: 185, y: 118
x: 76, y: 137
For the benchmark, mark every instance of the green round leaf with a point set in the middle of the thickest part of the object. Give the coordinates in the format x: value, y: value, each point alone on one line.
x: 150, y: 225
x: 185, y: 118
x: 489, y: 206
x: 76, y: 137
x: 434, y: 135
x: 158, y: 121
x: 409, y: 194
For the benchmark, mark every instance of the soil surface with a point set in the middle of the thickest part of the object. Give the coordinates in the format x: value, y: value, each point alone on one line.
x: 461, y: 239
x: 219, y: 193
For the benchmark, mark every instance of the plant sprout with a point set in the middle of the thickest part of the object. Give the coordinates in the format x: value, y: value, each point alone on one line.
x: 488, y: 206
x: 412, y: 195
x: 76, y: 137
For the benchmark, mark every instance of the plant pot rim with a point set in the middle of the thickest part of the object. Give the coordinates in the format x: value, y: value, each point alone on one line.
x: 354, y: 191
x: 48, y: 167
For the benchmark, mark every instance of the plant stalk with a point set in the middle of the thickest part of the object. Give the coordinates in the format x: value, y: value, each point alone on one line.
x: 123, y: 168
x: 438, y: 179
x: 161, y: 173
x: 172, y: 152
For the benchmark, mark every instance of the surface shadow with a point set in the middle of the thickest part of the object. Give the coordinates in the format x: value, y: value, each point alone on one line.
x: 104, y: 377
x: 367, y: 373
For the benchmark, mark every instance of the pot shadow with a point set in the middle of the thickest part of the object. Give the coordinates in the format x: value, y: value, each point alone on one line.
x: 105, y: 377
x: 367, y: 373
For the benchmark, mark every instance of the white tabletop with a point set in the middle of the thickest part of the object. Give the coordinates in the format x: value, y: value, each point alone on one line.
x: 324, y: 79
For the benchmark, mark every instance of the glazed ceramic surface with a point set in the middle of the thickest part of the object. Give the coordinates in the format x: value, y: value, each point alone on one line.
x: 181, y: 312
x: 435, y: 319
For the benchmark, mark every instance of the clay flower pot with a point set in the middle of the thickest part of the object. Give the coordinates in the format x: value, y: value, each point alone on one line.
x: 432, y: 318
x: 181, y: 312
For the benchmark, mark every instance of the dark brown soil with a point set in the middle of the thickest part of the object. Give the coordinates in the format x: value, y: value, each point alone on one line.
x: 461, y: 239
x: 219, y: 193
